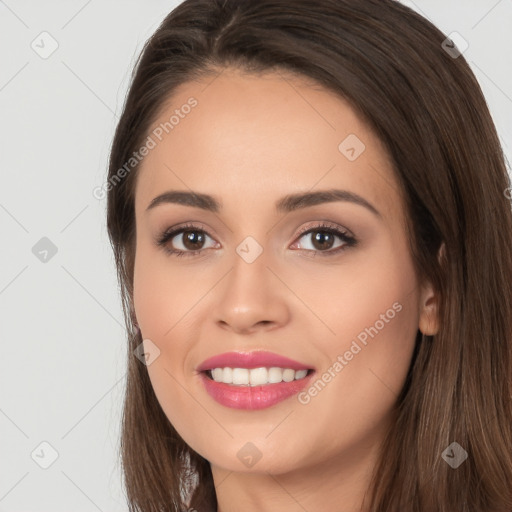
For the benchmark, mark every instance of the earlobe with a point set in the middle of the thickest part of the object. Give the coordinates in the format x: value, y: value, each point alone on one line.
x: 429, y: 314
x: 429, y: 317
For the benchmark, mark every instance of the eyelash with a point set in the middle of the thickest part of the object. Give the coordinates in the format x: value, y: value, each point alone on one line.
x: 169, y: 234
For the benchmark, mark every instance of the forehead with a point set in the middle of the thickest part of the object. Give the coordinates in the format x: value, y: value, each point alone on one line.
x: 254, y: 138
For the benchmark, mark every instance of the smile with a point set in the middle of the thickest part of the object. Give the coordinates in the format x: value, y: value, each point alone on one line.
x: 253, y: 380
x: 255, y: 376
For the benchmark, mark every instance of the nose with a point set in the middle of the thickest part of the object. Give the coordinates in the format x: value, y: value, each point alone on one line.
x: 252, y: 298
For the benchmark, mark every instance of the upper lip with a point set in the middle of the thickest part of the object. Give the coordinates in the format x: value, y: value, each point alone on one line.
x: 255, y: 359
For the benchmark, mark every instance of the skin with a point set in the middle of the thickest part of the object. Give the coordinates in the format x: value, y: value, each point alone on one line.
x: 251, y: 140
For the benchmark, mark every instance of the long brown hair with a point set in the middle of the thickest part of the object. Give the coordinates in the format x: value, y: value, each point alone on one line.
x: 426, y: 106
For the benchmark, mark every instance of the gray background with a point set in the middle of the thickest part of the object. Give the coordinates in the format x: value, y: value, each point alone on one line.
x: 63, y: 342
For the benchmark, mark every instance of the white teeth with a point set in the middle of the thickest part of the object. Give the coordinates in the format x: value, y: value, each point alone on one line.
x: 275, y: 375
x: 227, y: 375
x: 217, y: 374
x: 288, y: 375
x: 256, y: 376
x: 240, y: 376
x: 300, y: 374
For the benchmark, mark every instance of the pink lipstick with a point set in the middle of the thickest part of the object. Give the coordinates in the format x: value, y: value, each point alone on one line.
x: 253, y: 380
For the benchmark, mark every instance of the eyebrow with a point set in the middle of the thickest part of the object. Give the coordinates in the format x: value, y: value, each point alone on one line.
x: 288, y: 203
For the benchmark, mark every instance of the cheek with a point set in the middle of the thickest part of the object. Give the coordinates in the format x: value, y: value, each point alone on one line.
x: 376, y: 322
x: 162, y: 295
x: 367, y: 364
x: 379, y: 347
x: 375, y: 297
x: 372, y: 310
x: 162, y: 298
x: 167, y: 299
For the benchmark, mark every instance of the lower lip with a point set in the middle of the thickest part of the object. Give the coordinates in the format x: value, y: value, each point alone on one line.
x: 253, y: 397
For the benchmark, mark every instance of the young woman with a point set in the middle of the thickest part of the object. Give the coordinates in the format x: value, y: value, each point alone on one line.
x: 309, y: 209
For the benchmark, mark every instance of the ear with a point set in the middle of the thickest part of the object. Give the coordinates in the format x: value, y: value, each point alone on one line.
x: 429, y: 321
x: 429, y: 304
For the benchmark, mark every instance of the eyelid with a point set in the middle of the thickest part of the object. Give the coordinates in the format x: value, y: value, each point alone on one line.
x: 349, y: 239
x: 318, y: 225
x: 163, y: 237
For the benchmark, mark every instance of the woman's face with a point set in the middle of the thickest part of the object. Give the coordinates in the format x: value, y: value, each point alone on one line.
x: 326, y: 281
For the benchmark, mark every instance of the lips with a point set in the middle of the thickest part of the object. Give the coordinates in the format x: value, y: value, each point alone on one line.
x: 252, y: 397
x: 251, y: 360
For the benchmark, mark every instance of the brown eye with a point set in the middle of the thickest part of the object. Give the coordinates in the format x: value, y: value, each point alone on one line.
x: 323, y: 240
x: 193, y: 240
x: 184, y: 241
